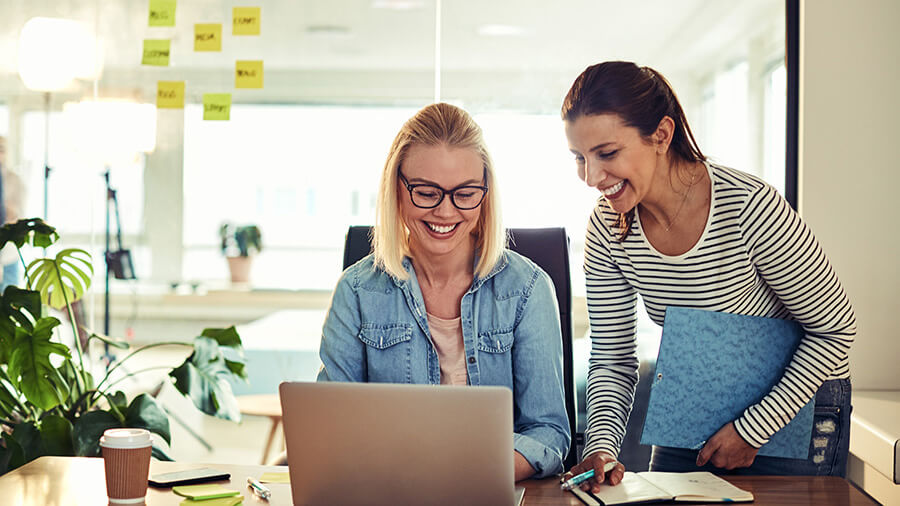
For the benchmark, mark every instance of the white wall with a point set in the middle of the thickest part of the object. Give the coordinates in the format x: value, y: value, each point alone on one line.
x: 850, y: 166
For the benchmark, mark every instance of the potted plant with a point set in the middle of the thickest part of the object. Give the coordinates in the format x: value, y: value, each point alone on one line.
x: 50, y: 401
x: 239, y: 244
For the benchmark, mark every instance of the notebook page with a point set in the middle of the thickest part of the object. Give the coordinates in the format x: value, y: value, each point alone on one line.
x: 699, y: 485
x: 632, y: 489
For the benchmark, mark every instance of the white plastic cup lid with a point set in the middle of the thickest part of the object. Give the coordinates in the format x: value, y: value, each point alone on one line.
x: 125, y: 438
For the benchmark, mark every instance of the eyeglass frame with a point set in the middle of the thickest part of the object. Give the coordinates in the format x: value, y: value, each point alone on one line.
x: 452, y: 192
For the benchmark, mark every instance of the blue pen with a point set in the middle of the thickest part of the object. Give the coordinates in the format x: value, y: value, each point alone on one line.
x: 585, y: 476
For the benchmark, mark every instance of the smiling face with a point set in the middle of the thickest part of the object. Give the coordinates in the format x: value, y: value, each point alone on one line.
x: 444, y: 229
x: 615, y: 159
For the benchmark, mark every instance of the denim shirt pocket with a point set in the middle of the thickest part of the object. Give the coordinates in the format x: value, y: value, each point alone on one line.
x: 495, y: 357
x: 497, y: 341
x: 388, y: 351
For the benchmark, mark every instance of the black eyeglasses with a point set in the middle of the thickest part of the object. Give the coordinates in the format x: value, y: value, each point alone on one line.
x: 429, y: 196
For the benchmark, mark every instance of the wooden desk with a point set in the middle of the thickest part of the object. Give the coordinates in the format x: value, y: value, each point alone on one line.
x: 268, y: 405
x: 79, y: 481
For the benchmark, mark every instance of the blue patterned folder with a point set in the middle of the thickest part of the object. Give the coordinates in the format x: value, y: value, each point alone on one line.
x: 711, y: 367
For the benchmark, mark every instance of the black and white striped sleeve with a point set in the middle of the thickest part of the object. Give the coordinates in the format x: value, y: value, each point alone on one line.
x: 793, y: 265
x: 613, y: 365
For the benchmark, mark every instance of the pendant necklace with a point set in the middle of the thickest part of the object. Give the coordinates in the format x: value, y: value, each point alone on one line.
x: 681, y: 206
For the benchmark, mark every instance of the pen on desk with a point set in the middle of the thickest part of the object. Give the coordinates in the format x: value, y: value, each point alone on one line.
x: 585, y: 476
x: 258, y: 488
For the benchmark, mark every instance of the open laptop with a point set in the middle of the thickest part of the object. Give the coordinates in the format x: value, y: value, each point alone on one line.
x: 389, y: 444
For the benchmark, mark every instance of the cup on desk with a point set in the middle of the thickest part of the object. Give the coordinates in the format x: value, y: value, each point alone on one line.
x: 126, y: 460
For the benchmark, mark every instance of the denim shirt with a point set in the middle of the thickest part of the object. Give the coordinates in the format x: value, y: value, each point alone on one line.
x: 377, y: 331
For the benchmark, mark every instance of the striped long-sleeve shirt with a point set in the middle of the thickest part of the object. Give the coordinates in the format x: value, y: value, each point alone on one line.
x: 755, y: 257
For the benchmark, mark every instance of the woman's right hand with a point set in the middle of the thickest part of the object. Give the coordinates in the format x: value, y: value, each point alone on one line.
x: 596, y: 461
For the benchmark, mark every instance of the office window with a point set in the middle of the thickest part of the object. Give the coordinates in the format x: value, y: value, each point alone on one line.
x: 301, y: 156
x: 302, y: 173
x: 775, y: 113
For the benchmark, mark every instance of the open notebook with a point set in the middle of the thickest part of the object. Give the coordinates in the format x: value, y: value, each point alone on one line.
x: 651, y: 486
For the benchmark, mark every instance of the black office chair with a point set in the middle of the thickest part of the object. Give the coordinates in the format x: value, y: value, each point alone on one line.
x: 549, y: 249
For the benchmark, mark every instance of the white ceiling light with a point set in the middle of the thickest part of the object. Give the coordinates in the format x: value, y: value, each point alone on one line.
x: 53, y: 52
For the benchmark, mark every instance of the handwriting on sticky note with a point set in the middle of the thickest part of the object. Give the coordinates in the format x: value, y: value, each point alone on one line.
x: 217, y: 106
x: 275, y: 478
x: 245, y: 21
x: 170, y: 94
x: 208, y: 37
x: 156, y: 52
x: 162, y: 13
x: 248, y: 74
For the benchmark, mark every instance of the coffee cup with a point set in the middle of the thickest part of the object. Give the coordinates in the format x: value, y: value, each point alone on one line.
x: 126, y: 461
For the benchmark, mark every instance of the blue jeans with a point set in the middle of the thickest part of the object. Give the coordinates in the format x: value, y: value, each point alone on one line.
x: 828, y: 447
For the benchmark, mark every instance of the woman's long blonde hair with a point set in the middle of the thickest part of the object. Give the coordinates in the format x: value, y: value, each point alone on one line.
x: 435, y: 125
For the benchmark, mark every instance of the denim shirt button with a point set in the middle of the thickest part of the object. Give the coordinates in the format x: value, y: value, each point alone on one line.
x: 471, y: 360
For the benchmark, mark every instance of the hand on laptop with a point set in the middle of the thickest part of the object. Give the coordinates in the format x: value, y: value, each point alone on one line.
x: 597, y: 461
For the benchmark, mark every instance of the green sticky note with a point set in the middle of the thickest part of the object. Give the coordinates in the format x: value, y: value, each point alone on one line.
x: 275, y: 478
x: 208, y: 37
x: 221, y: 501
x: 248, y: 74
x: 156, y: 52
x: 217, y: 106
x: 204, y: 492
x: 162, y: 13
x: 245, y: 21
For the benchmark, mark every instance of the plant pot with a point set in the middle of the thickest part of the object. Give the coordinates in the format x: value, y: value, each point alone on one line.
x: 240, y: 268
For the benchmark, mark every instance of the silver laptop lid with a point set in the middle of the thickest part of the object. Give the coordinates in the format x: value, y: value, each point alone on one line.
x: 380, y: 444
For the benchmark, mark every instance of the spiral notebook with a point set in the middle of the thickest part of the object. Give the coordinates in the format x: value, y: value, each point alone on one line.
x: 711, y: 367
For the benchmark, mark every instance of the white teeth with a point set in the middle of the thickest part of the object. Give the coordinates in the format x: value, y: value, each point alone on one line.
x: 440, y: 229
x: 612, y: 190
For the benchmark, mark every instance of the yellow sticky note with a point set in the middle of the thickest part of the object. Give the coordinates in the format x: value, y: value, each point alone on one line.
x: 217, y: 106
x: 156, y: 52
x: 275, y: 478
x: 221, y: 501
x: 170, y: 94
x: 245, y: 21
x: 208, y: 37
x: 248, y: 74
x: 162, y: 13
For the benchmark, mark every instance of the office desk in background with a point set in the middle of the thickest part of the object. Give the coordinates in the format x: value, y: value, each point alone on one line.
x: 79, y: 481
x: 281, y: 346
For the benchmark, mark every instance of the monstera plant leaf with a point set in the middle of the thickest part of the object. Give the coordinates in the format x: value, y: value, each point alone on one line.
x: 29, y: 364
x: 32, y: 230
x: 230, y: 339
x: 87, y: 430
x: 56, y: 436
x: 203, y: 377
x: 63, y: 279
x: 18, y: 308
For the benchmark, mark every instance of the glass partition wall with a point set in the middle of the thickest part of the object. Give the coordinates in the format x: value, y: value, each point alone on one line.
x: 301, y: 156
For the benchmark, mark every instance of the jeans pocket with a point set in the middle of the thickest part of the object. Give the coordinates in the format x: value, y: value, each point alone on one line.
x: 826, y: 437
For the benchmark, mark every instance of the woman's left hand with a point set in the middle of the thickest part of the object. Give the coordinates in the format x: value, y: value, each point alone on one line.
x: 727, y: 450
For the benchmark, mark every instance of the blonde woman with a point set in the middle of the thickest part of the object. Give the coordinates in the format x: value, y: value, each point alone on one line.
x: 441, y: 300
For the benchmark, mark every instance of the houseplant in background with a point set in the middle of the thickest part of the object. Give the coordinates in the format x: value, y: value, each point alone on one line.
x: 239, y: 244
x: 50, y: 401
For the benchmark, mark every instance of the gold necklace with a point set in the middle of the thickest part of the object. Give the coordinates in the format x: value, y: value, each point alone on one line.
x: 680, y: 207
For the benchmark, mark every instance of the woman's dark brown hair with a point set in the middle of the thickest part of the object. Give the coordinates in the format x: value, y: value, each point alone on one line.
x: 641, y: 97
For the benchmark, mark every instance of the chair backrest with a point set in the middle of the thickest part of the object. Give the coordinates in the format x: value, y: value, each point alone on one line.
x: 549, y: 249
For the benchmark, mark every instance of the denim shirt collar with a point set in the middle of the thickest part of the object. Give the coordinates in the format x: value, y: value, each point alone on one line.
x: 476, y: 283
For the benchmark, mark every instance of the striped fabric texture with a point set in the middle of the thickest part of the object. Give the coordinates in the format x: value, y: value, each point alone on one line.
x: 755, y: 257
